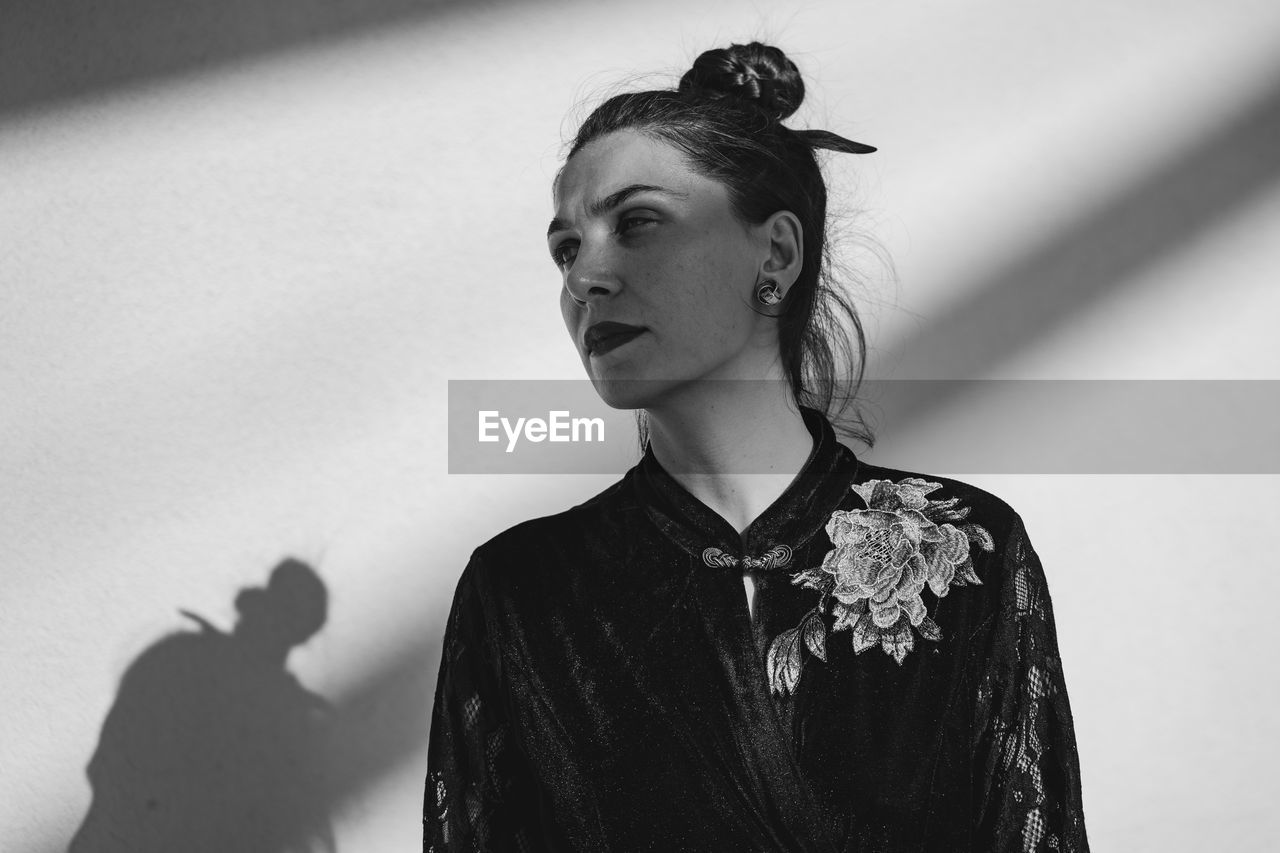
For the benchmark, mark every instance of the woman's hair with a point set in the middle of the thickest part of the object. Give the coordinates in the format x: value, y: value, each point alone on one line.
x: 726, y: 117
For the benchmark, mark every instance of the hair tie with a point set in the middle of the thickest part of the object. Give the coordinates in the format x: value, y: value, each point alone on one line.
x: 827, y: 139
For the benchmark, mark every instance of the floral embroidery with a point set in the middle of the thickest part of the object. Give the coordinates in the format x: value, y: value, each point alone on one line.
x: 882, y: 558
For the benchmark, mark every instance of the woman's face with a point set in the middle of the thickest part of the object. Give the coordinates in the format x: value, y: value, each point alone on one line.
x: 643, y: 240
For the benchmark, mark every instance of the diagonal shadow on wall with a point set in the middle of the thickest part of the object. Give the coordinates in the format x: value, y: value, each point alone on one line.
x: 1080, y: 266
x: 54, y: 49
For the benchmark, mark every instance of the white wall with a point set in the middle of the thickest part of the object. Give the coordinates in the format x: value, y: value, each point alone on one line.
x: 231, y: 294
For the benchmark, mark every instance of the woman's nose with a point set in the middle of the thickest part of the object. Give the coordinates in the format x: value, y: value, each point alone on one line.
x: 592, y: 273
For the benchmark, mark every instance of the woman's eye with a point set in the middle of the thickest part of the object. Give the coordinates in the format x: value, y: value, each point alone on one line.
x: 558, y: 253
x: 623, y: 224
x: 567, y: 251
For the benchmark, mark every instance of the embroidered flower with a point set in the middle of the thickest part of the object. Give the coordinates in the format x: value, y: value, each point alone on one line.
x: 881, y: 560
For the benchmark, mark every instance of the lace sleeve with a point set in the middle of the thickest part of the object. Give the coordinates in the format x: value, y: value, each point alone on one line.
x: 1025, y: 761
x: 478, y: 797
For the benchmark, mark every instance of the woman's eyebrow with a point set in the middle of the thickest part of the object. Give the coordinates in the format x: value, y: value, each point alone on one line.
x: 602, y: 206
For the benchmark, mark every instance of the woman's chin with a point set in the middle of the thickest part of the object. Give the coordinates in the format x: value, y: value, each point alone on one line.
x: 628, y: 393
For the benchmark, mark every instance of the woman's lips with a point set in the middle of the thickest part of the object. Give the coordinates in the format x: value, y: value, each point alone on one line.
x: 614, y: 341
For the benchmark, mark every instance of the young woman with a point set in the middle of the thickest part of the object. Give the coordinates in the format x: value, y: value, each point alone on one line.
x: 754, y: 640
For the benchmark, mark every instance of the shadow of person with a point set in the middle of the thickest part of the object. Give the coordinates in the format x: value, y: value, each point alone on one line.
x: 212, y: 746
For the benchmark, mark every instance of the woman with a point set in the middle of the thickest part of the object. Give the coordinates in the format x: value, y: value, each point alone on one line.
x: 754, y: 640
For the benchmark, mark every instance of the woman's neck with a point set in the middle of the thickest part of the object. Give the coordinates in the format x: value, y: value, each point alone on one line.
x: 735, y: 446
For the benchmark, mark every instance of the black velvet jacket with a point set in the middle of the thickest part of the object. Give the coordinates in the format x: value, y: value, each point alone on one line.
x: 604, y: 687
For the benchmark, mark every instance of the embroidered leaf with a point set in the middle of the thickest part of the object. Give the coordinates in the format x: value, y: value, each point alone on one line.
x: 865, y: 634
x: 942, y: 512
x: 783, y: 661
x: 814, y: 632
x: 814, y: 578
x: 897, y: 641
x: 929, y: 629
x: 965, y: 575
x: 847, y: 614
x: 866, y: 490
x: 924, y: 486
x: 979, y: 534
x: 950, y: 514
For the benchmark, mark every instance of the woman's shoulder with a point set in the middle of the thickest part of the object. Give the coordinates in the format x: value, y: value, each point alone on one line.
x: 548, y: 538
x: 554, y: 526
x: 549, y: 562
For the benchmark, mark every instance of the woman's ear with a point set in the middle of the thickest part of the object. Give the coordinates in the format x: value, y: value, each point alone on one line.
x: 785, y: 258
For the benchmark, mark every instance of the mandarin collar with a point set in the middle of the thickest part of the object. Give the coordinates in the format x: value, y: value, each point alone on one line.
x: 791, y: 520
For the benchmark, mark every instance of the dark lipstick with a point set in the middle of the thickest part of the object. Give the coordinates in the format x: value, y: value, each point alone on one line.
x: 603, y: 337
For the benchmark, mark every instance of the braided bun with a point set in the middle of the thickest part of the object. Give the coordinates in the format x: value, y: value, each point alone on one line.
x: 755, y: 74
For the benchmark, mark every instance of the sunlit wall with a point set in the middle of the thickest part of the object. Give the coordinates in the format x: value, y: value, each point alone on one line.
x: 242, y: 250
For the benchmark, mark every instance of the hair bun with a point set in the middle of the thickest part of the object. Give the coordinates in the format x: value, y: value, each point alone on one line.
x: 756, y: 74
